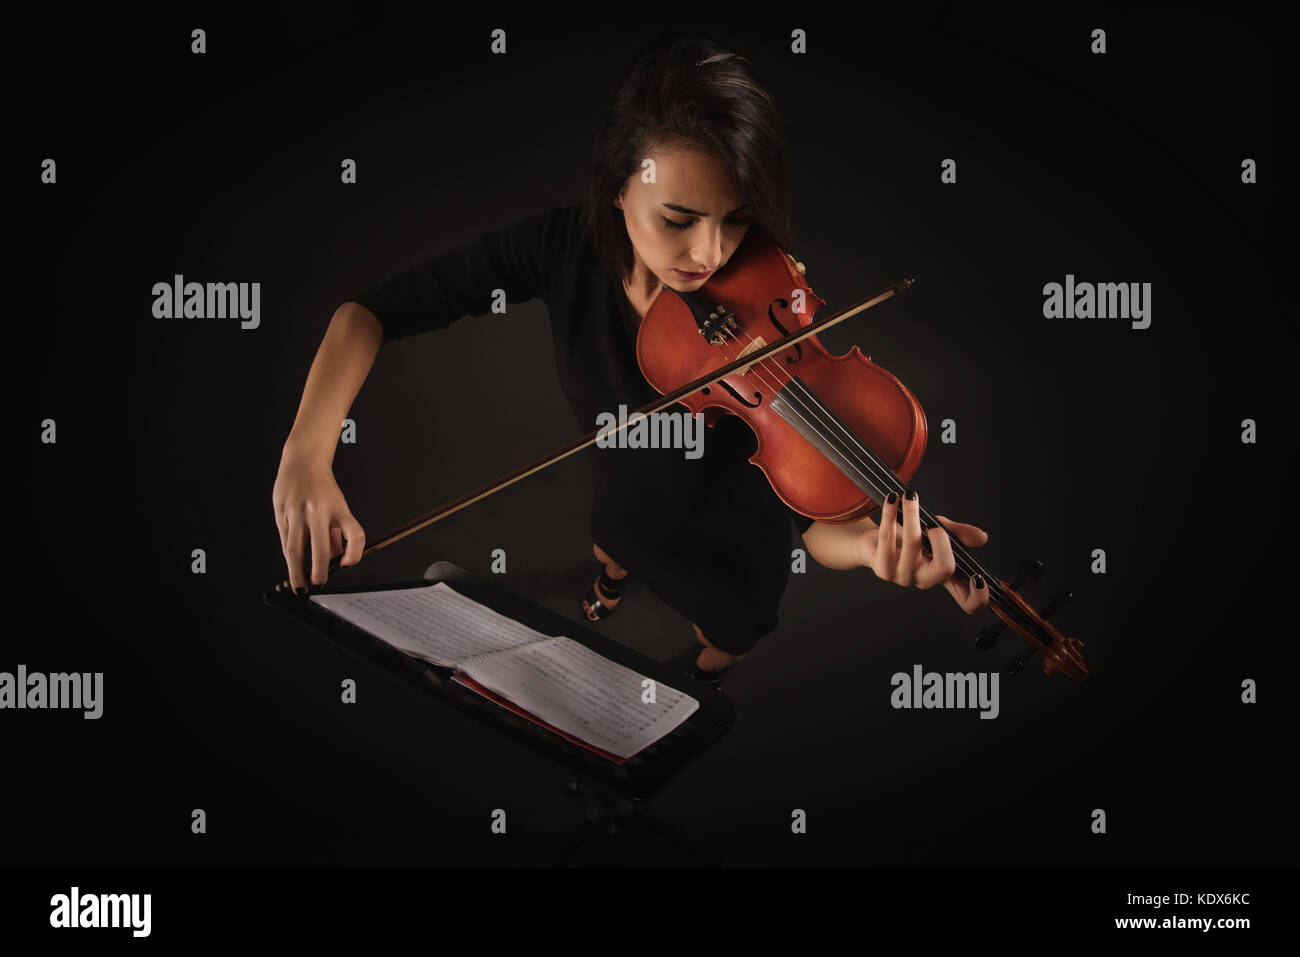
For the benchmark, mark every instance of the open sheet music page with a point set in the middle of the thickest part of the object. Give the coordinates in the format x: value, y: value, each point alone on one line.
x: 435, y: 622
x: 554, y: 678
x: 568, y: 685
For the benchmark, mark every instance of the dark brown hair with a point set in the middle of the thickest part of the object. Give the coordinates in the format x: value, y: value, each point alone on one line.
x: 686, y: 87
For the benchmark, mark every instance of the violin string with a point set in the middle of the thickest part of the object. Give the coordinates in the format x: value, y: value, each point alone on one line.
x: 867, y: 465
x: 879, y: 470
x: 870, y: 464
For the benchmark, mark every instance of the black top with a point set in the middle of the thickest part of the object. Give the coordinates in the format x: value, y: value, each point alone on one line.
x: 707, y: 535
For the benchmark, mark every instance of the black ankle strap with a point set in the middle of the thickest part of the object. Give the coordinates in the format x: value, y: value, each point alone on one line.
x: 608, y: 585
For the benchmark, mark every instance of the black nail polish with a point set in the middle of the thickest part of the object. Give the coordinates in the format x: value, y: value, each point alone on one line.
x: 979, y: 581
x: 891, y: 498
x: 911, y: 495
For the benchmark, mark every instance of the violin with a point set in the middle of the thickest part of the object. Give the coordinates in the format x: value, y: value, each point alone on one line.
x: 836, y: 434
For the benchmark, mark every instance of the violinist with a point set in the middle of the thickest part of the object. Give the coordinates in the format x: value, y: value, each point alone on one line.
x: 689, y: 161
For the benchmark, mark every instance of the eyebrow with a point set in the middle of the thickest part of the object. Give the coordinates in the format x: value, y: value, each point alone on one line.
x: 696, y: 212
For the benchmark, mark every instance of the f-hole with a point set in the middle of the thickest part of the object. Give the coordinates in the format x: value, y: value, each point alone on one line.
x: 798, y: 346
x: 758, y: 396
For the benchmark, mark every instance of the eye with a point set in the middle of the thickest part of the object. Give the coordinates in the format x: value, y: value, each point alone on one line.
x: 673, y: 224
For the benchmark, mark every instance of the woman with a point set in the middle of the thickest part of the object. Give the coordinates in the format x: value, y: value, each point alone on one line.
x: 707, y: 535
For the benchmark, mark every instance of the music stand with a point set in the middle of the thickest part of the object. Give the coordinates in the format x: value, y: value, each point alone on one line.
x: 611, y: 793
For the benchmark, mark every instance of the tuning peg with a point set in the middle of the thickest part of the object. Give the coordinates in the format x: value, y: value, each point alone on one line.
x: 987, y: 638
x: 1030, y: 570
x: 1058, y: 602
x: 1018, y: 662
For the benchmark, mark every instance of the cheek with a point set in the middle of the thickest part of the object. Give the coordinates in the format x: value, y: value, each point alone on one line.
x: 656, y: 246
x: 642, y: 232
x: 734, y: 243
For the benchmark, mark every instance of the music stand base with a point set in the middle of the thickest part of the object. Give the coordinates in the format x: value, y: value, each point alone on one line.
x: 605, y: 837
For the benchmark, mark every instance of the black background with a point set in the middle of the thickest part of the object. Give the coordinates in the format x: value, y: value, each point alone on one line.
x: 1073, y: 434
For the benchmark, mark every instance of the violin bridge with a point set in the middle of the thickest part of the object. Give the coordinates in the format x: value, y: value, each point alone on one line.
x: 757, y: 343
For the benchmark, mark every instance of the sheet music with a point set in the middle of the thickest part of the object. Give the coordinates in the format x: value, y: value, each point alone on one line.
x: 435, y: 622
x: 557, y: 679
x: 578, y: 691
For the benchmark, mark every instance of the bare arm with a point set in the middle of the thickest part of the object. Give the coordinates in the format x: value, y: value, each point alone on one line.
x: 307, y: 500
x: 899, y: 558
x: 838, y: 546
x: 340, y: 368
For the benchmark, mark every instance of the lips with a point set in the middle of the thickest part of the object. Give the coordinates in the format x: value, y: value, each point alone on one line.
x: 692, y: 275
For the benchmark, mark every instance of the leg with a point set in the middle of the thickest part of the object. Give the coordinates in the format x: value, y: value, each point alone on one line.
x: 608, y: 601
x: 612, y: 568
x: 712, y: 659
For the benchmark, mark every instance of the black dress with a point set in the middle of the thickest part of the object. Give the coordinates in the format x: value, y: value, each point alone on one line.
x: 708, y: 536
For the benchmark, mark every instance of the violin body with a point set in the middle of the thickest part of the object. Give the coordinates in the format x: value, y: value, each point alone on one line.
x: 769, y: 298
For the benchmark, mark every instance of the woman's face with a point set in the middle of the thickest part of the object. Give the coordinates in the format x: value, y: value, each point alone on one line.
x: 685, y: 225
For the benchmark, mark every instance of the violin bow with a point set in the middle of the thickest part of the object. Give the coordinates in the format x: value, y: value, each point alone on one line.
x: 1061, y: 654
x: 412, y: 525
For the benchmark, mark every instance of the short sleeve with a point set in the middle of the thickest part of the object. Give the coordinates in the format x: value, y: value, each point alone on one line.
x: 520, y: 259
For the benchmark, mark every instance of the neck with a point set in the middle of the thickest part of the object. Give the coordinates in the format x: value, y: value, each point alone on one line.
x: 642, y: 283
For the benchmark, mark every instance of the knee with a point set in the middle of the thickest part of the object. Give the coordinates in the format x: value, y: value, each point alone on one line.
x: 700, y: 635
x: 612, y: 566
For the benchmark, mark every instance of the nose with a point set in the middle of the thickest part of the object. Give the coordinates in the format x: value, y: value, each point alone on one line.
x: 708, y: 252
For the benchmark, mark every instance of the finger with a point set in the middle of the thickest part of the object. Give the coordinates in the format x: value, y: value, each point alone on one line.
x: 282, y: 523
x: 967, y: 593
x: 356, y: 539
x: 966, y: 534
x: 336, y: 541
x: 910, y: 557
x: 886, y: 558
x: 318, y: 527
x: 293, y: 555
x: 959, y: 589
x: 941, y: 565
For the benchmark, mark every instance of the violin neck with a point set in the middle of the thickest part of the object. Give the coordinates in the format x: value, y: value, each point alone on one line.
x: 800, y: 408
x: 822, y: 428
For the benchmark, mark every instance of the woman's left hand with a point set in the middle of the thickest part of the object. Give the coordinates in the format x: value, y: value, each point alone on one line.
x: 901, y: 561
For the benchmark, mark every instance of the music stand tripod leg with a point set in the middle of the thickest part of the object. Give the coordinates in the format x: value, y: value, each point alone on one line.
x: 612, y: 818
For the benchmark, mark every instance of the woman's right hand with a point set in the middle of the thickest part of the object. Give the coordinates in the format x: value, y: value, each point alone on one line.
x: 309, y: 504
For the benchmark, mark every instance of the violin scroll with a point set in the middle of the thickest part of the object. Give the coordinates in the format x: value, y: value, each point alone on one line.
x: 1060, y: 654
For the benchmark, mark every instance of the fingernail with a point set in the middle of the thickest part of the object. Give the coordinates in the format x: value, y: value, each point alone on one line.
x: 891, y: 498
x: 911, y: 495
x: 979, y: 581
